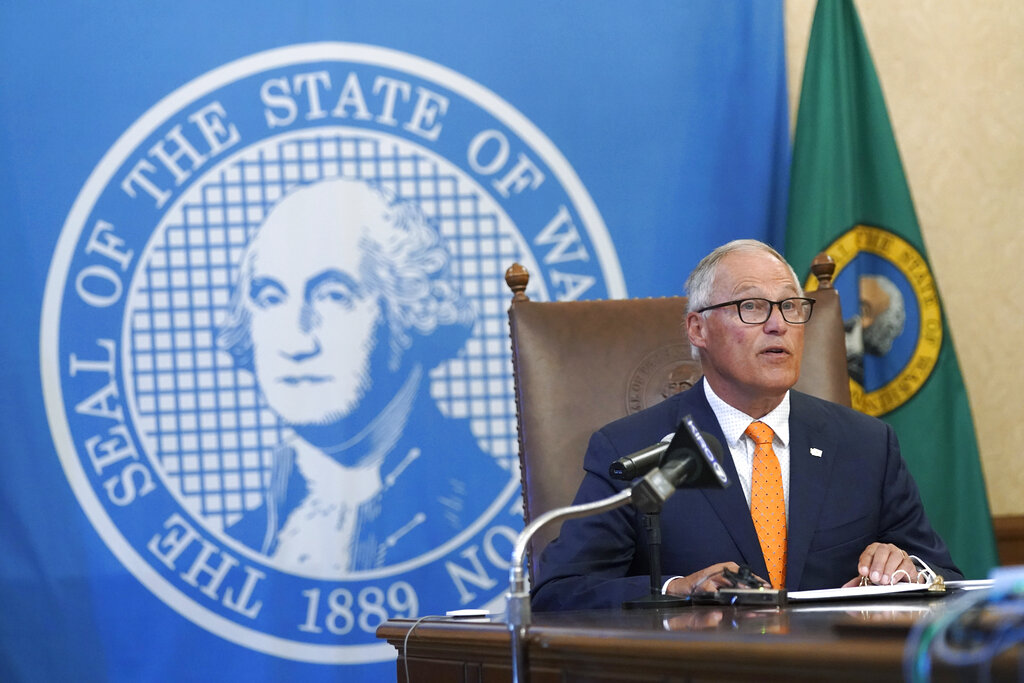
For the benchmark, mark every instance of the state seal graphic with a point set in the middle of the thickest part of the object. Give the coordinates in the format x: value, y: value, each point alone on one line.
x: 892, y: 316
x: 662, y: 373
x: 274, y: 345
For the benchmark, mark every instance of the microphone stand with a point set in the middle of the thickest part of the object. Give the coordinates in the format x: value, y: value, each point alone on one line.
x: 657, y: 599
x: 517, y: 599
x: 647, y: 494
x: 649, y: 502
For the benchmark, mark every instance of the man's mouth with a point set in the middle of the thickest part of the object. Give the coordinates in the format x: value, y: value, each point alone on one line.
x: 293, y: 380
x: 776, y: 351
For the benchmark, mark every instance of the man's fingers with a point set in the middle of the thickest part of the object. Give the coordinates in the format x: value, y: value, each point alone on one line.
x: 718, y: 581
x: 710, y: 579
x: 707, y: 580
x: 905, y: 572
x: 892, y: 563
x: 880, y: 561
x: 877, y: 574
x: 866, y: 557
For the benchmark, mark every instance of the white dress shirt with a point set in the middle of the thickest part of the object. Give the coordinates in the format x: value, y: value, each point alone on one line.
x: 734, y: 424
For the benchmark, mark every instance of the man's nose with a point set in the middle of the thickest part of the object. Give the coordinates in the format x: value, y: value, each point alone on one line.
x: 775, y: 322
x: 302, y: 342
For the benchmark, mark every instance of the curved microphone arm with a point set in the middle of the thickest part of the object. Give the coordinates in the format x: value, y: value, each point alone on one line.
x: 518, y: 597
x: 689, y: 460
x: 516, y: 573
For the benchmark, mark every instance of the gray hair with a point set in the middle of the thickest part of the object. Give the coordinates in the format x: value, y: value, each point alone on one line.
x: 701, y: 282
x: 406, y: 262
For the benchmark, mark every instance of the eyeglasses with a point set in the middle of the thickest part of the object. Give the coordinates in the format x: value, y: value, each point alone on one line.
x: 795, y: 310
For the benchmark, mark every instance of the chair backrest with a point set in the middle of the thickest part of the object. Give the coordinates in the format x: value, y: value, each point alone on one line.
x: 579, y: 365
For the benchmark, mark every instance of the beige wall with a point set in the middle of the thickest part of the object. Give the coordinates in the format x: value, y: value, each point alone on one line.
x: 953, y: 76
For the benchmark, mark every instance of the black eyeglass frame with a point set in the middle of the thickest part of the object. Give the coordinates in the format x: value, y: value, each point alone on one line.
x: 771, y: 304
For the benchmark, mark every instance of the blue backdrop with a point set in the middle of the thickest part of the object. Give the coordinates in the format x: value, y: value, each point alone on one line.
x: 159, y: 496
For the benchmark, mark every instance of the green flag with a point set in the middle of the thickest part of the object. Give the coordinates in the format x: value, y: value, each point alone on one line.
x: 848, y: 196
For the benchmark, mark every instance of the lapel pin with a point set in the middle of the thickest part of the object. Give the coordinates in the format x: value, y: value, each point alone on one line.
x: 816, y: 452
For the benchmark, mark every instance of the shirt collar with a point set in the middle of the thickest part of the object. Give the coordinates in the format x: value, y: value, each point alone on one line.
x: 734, y: 422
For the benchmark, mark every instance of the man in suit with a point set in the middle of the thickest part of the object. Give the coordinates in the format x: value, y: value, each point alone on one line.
x: 823, y: 501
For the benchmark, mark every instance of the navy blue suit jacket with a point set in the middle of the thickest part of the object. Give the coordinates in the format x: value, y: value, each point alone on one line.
x: 857, y: 492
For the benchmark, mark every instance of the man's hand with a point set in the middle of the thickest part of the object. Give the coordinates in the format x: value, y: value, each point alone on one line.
x: 879, y: 563
x: 705, y: 581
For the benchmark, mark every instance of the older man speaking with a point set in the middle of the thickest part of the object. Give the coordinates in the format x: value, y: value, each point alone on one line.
x: 824, y: 497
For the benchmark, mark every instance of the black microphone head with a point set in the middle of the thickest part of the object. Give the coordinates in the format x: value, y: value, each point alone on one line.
x: 712, y: 461
x: 693, y: 456
x: 637, y: 464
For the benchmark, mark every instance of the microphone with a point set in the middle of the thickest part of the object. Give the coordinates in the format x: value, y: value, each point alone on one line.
x: 689, y: 461
x: 696, y: 468
x: 629, y: 467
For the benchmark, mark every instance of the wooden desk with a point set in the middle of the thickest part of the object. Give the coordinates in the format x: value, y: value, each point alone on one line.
x: 849, y: 642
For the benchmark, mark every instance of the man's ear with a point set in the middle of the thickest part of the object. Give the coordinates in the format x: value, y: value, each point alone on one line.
x: 696, y: 330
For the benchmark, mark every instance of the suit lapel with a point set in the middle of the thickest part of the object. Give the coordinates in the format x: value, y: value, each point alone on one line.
x: 729, y: 504
x: 812, y: 453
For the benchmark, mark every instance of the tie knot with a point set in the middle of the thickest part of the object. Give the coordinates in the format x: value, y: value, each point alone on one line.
x: 760, y: 433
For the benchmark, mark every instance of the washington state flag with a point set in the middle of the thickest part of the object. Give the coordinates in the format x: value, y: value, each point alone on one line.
x: 849, y: 197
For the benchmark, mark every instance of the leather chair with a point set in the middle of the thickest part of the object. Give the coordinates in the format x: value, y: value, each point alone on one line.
x: 579, y: 365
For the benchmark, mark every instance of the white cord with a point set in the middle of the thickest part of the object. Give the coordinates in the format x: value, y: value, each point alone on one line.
x: 925, y: 574
x: 896, y: 573
x: 405, y: 641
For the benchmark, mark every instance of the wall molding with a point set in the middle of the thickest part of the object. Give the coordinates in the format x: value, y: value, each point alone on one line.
x: 1009, y: 530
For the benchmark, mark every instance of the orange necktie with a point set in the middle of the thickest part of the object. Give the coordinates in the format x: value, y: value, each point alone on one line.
x: 768, y: 503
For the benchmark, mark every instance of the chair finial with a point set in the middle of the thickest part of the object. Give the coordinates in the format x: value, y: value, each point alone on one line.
x: 517, y: 277
x: 823, y: 267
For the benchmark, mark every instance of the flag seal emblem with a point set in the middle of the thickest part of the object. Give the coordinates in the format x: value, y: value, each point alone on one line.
x: 295, y: 244
x: 892, y: 315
